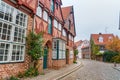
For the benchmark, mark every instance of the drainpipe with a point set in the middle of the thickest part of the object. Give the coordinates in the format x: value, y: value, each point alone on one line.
x: 33, y: 23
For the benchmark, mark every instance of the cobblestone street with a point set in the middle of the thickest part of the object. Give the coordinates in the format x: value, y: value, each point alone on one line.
x: 94, y: 70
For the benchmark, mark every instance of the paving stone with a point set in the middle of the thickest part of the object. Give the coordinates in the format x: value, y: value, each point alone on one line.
x: 95, y: 70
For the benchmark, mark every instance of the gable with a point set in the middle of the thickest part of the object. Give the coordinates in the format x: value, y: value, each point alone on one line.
x: 96, y: 37
x: 68, y: 15
x: 31, y: 4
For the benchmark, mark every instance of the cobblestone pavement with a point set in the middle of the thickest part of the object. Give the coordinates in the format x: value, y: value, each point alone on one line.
x: 94, y: 70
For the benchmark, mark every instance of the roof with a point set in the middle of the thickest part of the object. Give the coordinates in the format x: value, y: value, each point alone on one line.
x: 78, y: 43
x: 68, y: 14
x: 86, y: 44
x: 66, y: 11
x: 106, y: 38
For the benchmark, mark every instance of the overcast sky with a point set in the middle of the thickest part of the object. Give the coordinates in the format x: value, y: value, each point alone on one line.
x: 95, y: 16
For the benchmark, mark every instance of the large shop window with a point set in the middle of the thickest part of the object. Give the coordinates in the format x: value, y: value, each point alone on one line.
x: 13, y: 24
x: 59, y: 49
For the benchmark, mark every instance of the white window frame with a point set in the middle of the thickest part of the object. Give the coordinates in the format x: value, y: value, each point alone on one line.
x: 54, y: 53
x: 45, y: 15
x: 39, y: 11
x: 64, y: 33
x: 61, y: 50
x: 100, y: 39
x: 60, y: 26
x: 11, y: 42
x: 55, y: 23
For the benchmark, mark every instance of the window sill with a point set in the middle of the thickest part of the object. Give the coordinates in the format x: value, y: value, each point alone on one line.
x: 15, y: 62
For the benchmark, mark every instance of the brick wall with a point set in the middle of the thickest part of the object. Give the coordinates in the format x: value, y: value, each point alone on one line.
x: 7, y: 70
x: 57, y: 64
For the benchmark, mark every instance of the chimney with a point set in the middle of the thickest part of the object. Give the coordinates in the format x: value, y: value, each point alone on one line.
x: 100, y: 33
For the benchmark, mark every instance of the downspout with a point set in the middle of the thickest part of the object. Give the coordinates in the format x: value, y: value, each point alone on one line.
x: 33, y: 23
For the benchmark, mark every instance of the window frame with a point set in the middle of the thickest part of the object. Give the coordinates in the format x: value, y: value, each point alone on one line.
x: 101, y: 39
x: 45, y: 15
x: 13, y: 24
x: 60, y: 49
x: 39, y: 13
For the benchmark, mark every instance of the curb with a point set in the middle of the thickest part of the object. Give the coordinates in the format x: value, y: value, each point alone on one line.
x: 116, y: 68
x: 69, y: 72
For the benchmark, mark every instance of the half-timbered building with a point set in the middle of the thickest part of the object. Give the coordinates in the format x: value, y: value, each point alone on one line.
x: 69, y: 32
x: 18, y: 17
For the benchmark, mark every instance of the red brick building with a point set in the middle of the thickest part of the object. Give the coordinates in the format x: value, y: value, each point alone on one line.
x: 18, y: 17
x: 101, y: 40
x: 69, y: 32
x: 86, y: 53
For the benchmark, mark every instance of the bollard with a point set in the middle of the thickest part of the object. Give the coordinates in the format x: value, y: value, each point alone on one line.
x: 115, y: 64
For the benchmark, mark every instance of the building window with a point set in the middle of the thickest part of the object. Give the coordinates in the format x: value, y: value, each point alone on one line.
x: 54, y: 55
x: 64, y: 32
x: 59, y: 26
x: 101, y: 48
x: 17, y: 53
x: 20, y: 18
x: 45, y: 16
x: 55, y: 23
x: 4, y: 52
x: 52, y: 5
x: 110, y: 38
x: 19, y: 35
x: 50, y: 25
x: 39, y: 11
x: 70, y: 37
x: 59, y: 49
x: 13, y: 24
x: 5, y: 31
x: 6, y: 12
x: 100, y: 39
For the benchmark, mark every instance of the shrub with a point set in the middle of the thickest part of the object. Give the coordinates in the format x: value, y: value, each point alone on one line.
x: 75, y: 62
x: 20, y: 75
x: 108, y: 55
x: 116, y: 59
x: 13, y: 78
x: 31, y: 72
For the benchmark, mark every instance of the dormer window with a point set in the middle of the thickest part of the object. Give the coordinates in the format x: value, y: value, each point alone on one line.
x: 100, y: 39
x: 110, y: 38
